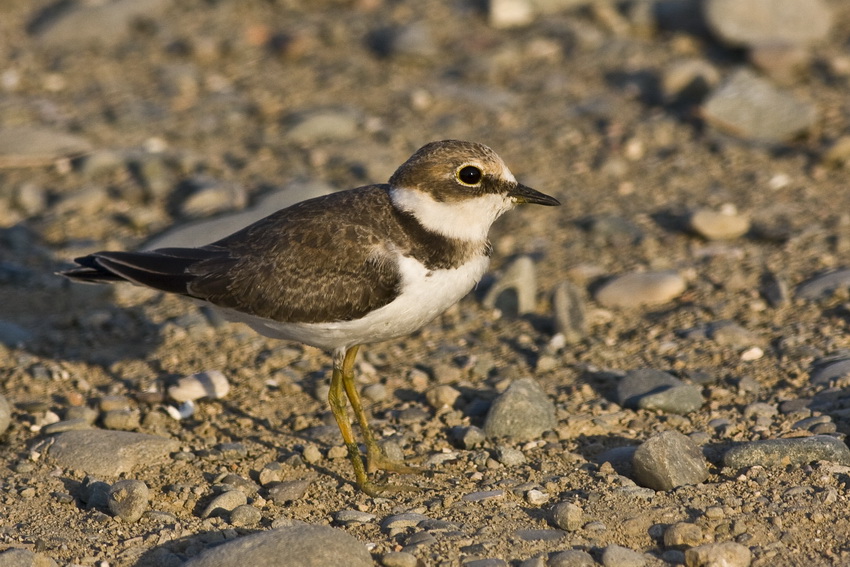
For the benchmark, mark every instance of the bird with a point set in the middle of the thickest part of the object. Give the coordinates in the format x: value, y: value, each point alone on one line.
x: 350, y: 268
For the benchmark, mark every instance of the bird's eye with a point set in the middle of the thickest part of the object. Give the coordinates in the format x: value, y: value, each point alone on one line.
x: 469, y: 175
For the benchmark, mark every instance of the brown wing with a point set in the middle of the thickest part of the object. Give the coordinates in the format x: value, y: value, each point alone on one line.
x: 325, y: 259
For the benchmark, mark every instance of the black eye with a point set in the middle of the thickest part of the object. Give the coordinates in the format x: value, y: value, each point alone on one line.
x: 469, y: 175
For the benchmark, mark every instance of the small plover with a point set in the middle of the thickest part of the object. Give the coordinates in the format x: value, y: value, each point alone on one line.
x: 346, y: 269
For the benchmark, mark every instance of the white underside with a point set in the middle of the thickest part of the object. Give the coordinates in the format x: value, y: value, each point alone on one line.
x: 425, y: 294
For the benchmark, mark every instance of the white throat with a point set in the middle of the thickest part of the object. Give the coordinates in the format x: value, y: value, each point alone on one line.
x: 467, y: 219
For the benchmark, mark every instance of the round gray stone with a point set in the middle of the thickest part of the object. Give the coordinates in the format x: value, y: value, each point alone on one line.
x: 128, y: 499
x: 668, y: 460
x: 108, y: 453
x: 765, y: 22
x: 5, y: 414
x: 522, y: 412
x: 651, y: 389
x: 300, y: 545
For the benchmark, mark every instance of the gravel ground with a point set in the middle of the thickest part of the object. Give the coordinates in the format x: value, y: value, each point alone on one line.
x: 658, y: 374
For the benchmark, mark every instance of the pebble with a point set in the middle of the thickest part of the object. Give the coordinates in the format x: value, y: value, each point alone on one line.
x: 520, y: 277
x: 509, y: 456
x: 651, y: 389
x: 775, y: 453
x: 640, y: 288
x: 375, y: 392
x: 567, y: 516
x: 34, y: 147
x: 750, y: 107
x: 414, y: 41
x: 838, y: 153
x: 212, y: 384
x: 522, y: 412
x: 774, y: 288
x: 504, y: 14
x: 468, y: 437
x: 5, y: 414
x: 688, y: 81
x: 825, y: 373
x: 108, y: 453
x: 727, y: 554
x: 210, y: 196
x: 536, y: 497
x: 128, y: 499
x: 729, y: 333
x: 121, y: 420
x: 17, y: 557
x: 570, y: 312
x: 725, y: 224
x: 326, y: 124
x: 824, y: 285
x: 619, y: 556
x: 245, y: 515
x: 442, y: 396
x: 483, y: 495
x: 571, y: 558
x: 400, y: 559
x: 202, y: 232
x: 289, y: 491
x: 766, y: 22
x: 224, y: 502
x: 353, y: 517
x: 302, y: 545
x: 682, y: 535
x: 402, y: 521
x: 103, y: 23
x: 668, y: 460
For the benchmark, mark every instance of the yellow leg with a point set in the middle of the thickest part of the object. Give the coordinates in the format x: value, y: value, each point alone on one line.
x: 342, y: 380
x: 376, y: 458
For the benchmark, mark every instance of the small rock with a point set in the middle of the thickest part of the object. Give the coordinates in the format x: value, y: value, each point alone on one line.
x: 640, y: 288
x: 796, y: 22
x: 211, y: 196
x: 522, y: 412
x: 668, y: 460
x: 468, y: 437
x: 503, y: 14
x: 749, y: 107
x: 688, y: 81
x: 121, y: 420
x: 353, y: 517
x: 509, y: 456
x: 651, y: 389
x: 108, y: 453
x: 536, y: 497
x: 128, y: 499
x: 212, y: 384
x: 245, y: 515
x: 302, y: 545
x: 828, y: 371
x: 776, y: 453
x: 729, y: 333
x: 618, y: 556
x: 35, y: 147
x: 782, y: 62
x: 571, y: 558
x: 726, y: 554
x: 17, y: 557
x: 5, y: 414
x: 402, y: 521
x: 331, y: 124
x: 520, y: 277
x: 838, y: 154
x: 567, y: 516
x: 400, y: 559
x: 289, y: 491
x: 442, y: 396
x: 224, y: 502
x: 375, y: 392
x: 775, y: 290
x: 719, y: 225
x: 823, y: 285
x: 682, y: 535
x: 570, y: 312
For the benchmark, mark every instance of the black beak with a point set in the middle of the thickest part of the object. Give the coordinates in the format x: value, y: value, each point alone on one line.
x: 522, y: 194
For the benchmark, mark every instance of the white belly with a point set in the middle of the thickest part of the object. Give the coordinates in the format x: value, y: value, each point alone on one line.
x: 425, y: 294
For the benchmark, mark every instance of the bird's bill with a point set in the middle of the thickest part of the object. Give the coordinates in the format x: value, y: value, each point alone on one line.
x: 523, y: 194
